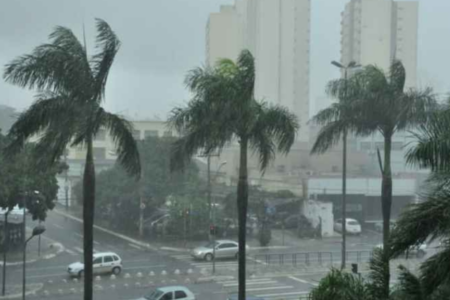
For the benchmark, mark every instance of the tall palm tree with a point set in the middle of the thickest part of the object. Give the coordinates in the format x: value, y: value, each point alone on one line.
x: 69, y: 111
x: 224, y: 110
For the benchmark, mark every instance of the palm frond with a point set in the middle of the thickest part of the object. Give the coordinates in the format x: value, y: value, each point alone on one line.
x: 246, y: 75
x: 121, y: 132
x: 109, y: 45
x: 339, y: 285
x: 263, y: 146
x: 397, y: 76
x: 435, y: 271
x: 433, y: 144
x: 329, y: 136
x: 379, y: 276
x: 410, y: 285
x: 421, y: 221
x: 329, y: 114
x: 60, y: 66
x: 49, y: 111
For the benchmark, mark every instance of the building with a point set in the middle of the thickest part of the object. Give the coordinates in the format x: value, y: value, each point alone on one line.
x: 376, y: 31
x: 277, y: 32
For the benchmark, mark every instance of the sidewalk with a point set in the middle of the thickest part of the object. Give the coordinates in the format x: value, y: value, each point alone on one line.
x: 46, y: 249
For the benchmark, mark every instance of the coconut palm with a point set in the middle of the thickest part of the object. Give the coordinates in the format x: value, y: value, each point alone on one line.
x: 68, y: 111
x: 224, y: 110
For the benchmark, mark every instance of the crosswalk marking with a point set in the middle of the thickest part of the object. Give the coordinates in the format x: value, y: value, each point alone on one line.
x: 270, y: 288
x: 71, y: 252
x: 135, y: 246
x: 249, y: 283
x: 78, y: 249
x: 302, y: 281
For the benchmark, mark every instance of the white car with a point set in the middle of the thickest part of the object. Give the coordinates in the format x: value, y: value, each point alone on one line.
x: 169, y: 293
x: 104, y: 262
x: 352, y: 226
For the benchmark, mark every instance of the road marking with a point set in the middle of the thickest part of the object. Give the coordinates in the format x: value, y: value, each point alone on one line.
x: 143, y: 267
x: 48, y: 275
x: 79, y: 235
x: 57, y: 226
x: 250, y: 283
x: 269, y: 288
x: 96, y: 243
x: 247, y: 281
x: 282, y: 294
x: 71, y: 252
x: 135, y: 246
x: 79, y: 249
x: 302, y: 281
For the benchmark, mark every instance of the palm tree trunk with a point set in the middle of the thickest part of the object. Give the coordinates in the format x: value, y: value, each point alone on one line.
x: 242, y: 202
x: 386, y: 203
x: 88, y: 220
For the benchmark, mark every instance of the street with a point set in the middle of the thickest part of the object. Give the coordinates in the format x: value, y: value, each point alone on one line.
x: 273, y: 273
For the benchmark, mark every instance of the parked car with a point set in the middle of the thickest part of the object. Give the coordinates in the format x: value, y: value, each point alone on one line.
x: 418, y: 251
x: 292, y: 222
x: 352, y: 226
x: 169, y: 293
x: 224, y: 249
x: 104, y: 262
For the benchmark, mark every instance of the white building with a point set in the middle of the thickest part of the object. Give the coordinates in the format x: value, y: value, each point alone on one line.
x: 277, y: 32
x: 376, y: 31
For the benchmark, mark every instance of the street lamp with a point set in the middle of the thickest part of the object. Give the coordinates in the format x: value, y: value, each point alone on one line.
x: 213, y: 214
x: 351, y: 65
x: 38, y: 230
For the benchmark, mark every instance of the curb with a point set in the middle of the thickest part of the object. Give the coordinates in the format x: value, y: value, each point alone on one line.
x: 213, y: 278
x: 28, y: 293
x: 124, y: 237
x: 48, y: 256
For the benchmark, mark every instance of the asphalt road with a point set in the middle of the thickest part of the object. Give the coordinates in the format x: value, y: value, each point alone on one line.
x: 138, y: 263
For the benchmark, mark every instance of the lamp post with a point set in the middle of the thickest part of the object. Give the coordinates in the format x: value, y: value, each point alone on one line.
x: 213, y: 214
x: 5, y: 249
x: 351, y: 65
x: 38, y: 230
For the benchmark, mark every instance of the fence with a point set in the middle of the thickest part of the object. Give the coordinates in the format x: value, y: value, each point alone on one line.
x: 309, y: 258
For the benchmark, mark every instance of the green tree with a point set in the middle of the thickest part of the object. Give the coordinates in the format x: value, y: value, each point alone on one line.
x: 224, y: 110
x: 118, y: 195
x: 69, y: 111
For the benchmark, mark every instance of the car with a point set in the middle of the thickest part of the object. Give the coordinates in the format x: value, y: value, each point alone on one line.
x: 104, y: 262
x: 352, y: 226
x: 223, y: 249
x: 418, y: 251
x: 169, y: 293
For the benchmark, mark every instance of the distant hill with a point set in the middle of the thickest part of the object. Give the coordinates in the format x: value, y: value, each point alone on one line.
x: 8, y: 116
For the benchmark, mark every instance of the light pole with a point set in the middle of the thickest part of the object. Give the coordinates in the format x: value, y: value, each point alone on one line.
x: 351, y: 65
x: 38, y: 230
x: 213, y: 215
x: 5, y: 249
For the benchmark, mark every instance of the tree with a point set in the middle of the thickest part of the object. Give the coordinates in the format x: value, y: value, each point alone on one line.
x: 118, y: 195
x: 68, y: 112
x: 224, y: 110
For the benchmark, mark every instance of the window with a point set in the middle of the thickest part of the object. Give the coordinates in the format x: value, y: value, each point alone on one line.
x: 97, y: 261
x: 167, y: 296
x: 167, y: 133
x: 137, y: 134
x: 148, y: 133
x: 101, y: 135
x: 108, y: 259
x: 227, y: 246
x: 180, y: 295
x: 115, y: 258
x: 99, y: 153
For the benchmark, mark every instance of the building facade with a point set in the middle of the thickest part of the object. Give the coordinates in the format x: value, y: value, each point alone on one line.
x: 277, y: 32
x: 376, y: 31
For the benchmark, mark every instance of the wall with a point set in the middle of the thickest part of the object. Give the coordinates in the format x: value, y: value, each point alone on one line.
x: 317, y: 212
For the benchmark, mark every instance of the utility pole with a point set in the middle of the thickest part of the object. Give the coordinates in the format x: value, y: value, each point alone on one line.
x: 141, y: 206
x: 5, y: 250
x: 66, y: 179
x: 351, y: 65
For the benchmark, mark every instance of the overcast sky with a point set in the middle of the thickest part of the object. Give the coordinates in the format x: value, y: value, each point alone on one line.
x: 163, y: 39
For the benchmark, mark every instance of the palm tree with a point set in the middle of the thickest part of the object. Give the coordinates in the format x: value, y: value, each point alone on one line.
x: 69, y: 113
x: 224, y: 110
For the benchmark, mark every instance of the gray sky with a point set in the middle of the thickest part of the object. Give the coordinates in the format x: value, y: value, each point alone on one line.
x: 163, y: 39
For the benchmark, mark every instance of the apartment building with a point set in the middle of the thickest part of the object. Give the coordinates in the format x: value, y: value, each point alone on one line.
x: 277, y: 32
